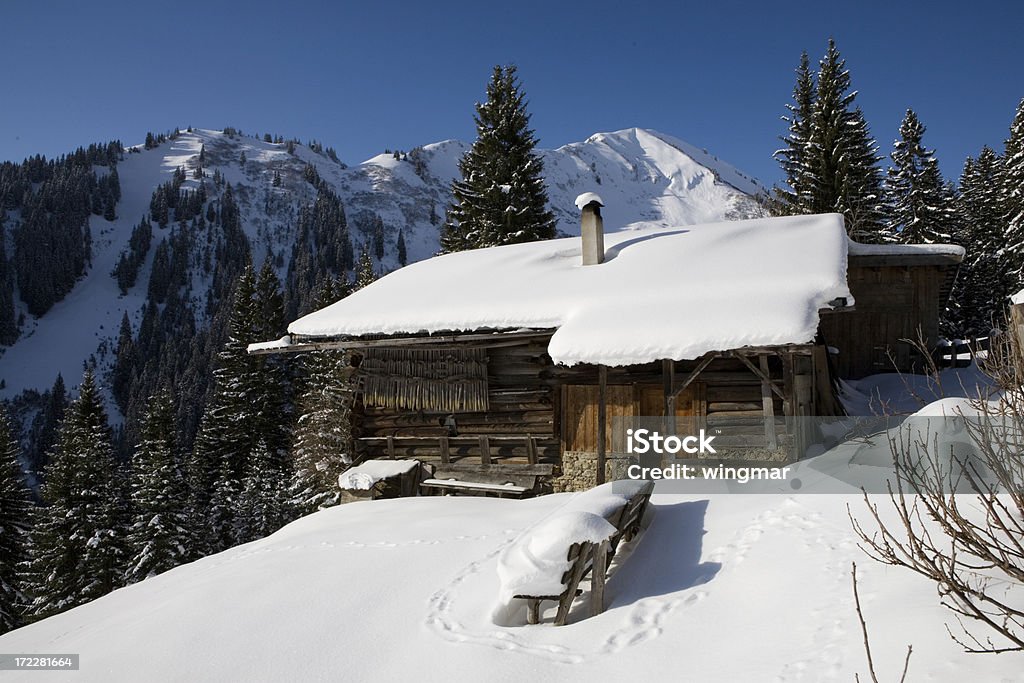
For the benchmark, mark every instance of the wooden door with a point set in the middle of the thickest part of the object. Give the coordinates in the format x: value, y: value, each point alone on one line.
x: 579, y: 412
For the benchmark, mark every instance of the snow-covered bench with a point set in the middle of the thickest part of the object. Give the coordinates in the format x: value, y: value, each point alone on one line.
x: 503, y: 481
x: 550, y: 559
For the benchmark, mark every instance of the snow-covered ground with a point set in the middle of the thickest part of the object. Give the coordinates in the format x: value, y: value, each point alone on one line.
x: 722, y: 586
x: 719, y: 588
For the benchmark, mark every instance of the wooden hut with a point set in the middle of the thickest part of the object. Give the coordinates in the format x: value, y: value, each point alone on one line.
x: 522, y: 358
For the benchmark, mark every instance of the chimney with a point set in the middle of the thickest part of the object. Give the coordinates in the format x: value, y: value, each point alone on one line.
x: 591, y: 228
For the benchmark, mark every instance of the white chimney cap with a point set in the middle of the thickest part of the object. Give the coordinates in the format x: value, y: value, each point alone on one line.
x: 587, y: 198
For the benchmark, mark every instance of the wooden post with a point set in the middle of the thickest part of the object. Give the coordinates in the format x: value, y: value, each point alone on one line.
x: 597, y: 577
x: 532, y: 611
x: 485, y: 450
x: 391, y: 447
x: 446, y: 455
x: 668, y: 380
x: 531, y: 450
x: 768, y: 405
x: 602, y: 421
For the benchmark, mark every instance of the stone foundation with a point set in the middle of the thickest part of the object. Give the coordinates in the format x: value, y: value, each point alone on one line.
x: 579, y: 470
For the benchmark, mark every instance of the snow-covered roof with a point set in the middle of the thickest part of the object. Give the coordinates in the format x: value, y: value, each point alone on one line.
x: 858, y: 249
x: 661, y: 293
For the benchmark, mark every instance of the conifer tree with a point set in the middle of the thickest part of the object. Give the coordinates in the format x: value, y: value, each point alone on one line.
x: 500, y: 198
x: 15, y: 513
x: 364, y: 269
x: 159, y: 538
x: 983, y: 283
x: 920, y: 205
x: 261, y: 501
x: 1012, y: 189
x: 250, y: 397
x: 403, y: 257
x: 78, y: 545
x: 322, y: 438
x: 830, y: 159
x: 796, y: 197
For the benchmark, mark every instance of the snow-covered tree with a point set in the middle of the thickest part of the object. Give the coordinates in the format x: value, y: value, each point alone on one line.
x: 248, y: 404
x: 1012, y: 187
x: 262, y: 506
x: 365, y: 273
x: 500, y: 198
x: 322, y: 440
x: 830, y: 159
x: 403, y: 257
x: 795, y: 198
x: 921, y: 208
x: 983, y: 283
x: 15, y: 512
x: 78, y: 544
x: 160, y: 537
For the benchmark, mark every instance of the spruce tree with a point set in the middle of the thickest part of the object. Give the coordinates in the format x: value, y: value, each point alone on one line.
x: 261, y: 501
x: 500, y: 198
x: 78, y: 545
x: 1012, y: 190
x: 250, y: 397
x: 796, y: 197
x: 322, y: 442
x: 364, y: 270
x: 983, y: 283
x: 830, y: 159
x: 15, y: 512
x: 403, y: 257
x: 920, y: 205
x: 159, y: 538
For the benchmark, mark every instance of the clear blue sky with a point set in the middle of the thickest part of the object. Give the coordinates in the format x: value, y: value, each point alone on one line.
x: 362, y: 76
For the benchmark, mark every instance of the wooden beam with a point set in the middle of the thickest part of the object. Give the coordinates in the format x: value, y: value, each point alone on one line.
x: 489, y: 339
x: 768, y: 405
x: 602, y: 421
x: 692, y: 377
x: 531, y: 450
x: 762, y: 375
x: 485, y: 450
x: 668, y: 380
x: 446, y: 455
x: 391, y: 447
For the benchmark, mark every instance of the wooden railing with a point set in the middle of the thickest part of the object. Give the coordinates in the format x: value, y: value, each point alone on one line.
x: 445, y: 444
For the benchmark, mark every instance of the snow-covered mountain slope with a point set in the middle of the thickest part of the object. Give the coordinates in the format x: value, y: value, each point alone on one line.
x: 642, y: 176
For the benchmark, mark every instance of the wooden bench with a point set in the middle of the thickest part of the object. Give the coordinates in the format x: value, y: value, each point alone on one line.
x: 594, y: 559
x: 503, y: 481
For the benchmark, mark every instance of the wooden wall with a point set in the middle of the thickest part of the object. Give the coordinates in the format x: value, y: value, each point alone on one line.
x: 891, y: 303
x: 521, y: 402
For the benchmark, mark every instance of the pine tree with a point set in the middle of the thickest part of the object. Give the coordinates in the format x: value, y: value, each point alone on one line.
x: 830, y: 159
x: 322, y: 438
x: 78, y: 545
x: 261, y: 502
x: 403, y: 257
x: 248, y: 406
x: 983, y: 283
x: 920, y: 205
x: 500, y: 198
x: 364, y: 269
x: 159, y: 538
x: 15, y: 513
x: 796, y: 197
x: 1012, y: 190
